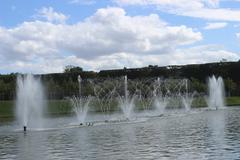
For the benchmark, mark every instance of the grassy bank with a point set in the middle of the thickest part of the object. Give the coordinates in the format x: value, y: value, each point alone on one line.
x: 233, y: 101
x: 7, y: 108
x: 54, y: 107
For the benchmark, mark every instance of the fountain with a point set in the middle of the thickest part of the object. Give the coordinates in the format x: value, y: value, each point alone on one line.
x: 30, y: 101
x: 105, y: 93
x: 187, y: 99
x: 126, y: 103
x: 160, y: 104
x: 80, y: 105
x: 80, y: 108
x: 160, y: 101
x: 144, y: 92
x: 216, y: 93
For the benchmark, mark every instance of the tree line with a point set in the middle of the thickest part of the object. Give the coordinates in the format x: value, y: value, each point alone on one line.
x: 60, y: 85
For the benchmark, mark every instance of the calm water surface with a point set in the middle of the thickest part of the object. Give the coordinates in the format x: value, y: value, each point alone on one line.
x: 194, y: 135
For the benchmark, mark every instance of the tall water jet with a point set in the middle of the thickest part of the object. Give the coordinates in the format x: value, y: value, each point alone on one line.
x: 80, y: 104
x: 30, y: 101
x: 80, y: 108
x: 79, y: 85
x: 126, y: 104
x: 126, y: 87
x: 160, y: 102
x: 187, y: 99
x: 216, y: 90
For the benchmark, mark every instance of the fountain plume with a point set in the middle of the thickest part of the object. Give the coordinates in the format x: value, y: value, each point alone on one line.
x: 127, y: 103
x: 216, y: 90
x: 160, y: 102
x: 187, y: 99
x: 80, y: 105
x: 30, y: 101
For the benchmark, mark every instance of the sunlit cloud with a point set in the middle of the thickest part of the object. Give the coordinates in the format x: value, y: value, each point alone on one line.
x: 107, y: 39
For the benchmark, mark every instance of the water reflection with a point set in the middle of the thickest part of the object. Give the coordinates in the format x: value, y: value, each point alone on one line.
x: 202, y: 135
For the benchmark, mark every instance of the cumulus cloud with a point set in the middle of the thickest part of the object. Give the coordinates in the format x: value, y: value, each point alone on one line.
x: 108, y: 39
x: 50, y: 15
x: 206, y: 9
x: 193, y: 55
x: 217, y: 25
x: 106, y: 32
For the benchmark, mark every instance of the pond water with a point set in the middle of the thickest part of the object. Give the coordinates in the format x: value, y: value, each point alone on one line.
x: 176, y: 135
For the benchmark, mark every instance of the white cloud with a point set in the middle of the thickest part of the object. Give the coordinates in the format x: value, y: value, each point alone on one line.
x: 108, y: 39
x: 83, y: 2
x: 50, y: 15
x: 206, y: 9
x: 106, y: 32
x: 194, y: 55
x: 238, y: 35
x: 216, y: 25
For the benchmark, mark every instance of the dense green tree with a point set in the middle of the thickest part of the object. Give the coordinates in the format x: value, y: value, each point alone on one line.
x: 73, y: 69
x: 230, y: 86
x: 198, y: 86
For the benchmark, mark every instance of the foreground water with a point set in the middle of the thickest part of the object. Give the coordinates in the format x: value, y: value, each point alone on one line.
x: 178, y: 135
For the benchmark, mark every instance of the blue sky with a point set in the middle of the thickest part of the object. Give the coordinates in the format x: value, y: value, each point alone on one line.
x: 45, y: 36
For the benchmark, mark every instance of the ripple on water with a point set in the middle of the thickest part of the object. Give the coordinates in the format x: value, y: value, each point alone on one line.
x: 202, y: 135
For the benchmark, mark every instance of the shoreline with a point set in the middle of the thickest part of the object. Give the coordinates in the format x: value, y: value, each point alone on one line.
x: 62, y: 107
